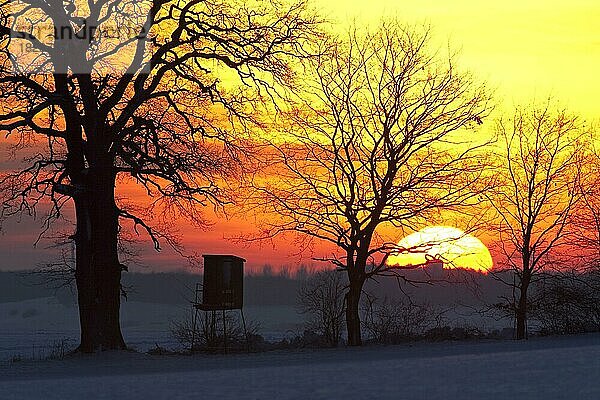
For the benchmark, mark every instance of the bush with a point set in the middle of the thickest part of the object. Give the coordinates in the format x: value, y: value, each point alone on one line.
x: 59, y: 349
x: 321, y: 298
x: 206, y: 332
x: 566, y: 305
x: 392, y: 321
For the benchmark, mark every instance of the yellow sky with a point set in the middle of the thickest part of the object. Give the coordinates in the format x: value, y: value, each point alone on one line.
x: 525, y: 49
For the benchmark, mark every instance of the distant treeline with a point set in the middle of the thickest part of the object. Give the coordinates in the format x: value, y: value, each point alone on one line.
x: 166, y: 288
x: 19, y: 286
x: 267, y: 286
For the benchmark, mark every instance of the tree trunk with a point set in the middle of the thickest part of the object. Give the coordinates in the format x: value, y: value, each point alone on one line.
x: 521, y: 311
x: 521, y: 315
x: 352, y: 306
x: 98, y: 271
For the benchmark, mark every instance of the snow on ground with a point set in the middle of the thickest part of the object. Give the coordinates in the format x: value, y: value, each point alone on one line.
x: 542, y: 368
x: 32, y: 329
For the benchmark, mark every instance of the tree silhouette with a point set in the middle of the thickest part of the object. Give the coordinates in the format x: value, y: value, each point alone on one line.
x: 535, y: 197
x: 154, y: 91
x: 585, y: 226
x: 377, y: 143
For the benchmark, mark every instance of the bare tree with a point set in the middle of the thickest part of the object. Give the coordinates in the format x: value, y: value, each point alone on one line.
x: 534, y: 197
x: 585, y: 221
x: 381, y: 141
x: 149, y: 93
x: 321, y: 298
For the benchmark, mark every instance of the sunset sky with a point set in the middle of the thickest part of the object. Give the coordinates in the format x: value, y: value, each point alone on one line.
x: 524, y: 49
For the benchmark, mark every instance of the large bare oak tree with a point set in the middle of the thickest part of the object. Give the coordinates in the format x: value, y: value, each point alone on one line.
x: 149, y: 90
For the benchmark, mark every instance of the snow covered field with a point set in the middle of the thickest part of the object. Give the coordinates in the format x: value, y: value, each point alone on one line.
x: 32, y: 329
x: 38, y: 328
x: 542, y: 368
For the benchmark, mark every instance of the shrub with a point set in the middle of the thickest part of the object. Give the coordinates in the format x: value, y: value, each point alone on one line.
x: 321, y: 299
x: 204, y: 332
x: 392, y: 321
x: 567, y: 304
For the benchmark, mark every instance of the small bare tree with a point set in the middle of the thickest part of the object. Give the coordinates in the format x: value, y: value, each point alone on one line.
x: 381, y: 140
x: 585, y: 227
x: 321, y: 299
x: 534, y: 197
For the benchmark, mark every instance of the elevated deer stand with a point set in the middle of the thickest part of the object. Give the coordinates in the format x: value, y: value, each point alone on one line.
x: 222, y: 290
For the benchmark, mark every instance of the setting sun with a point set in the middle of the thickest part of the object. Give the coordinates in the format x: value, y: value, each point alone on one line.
x: 456, y: 248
